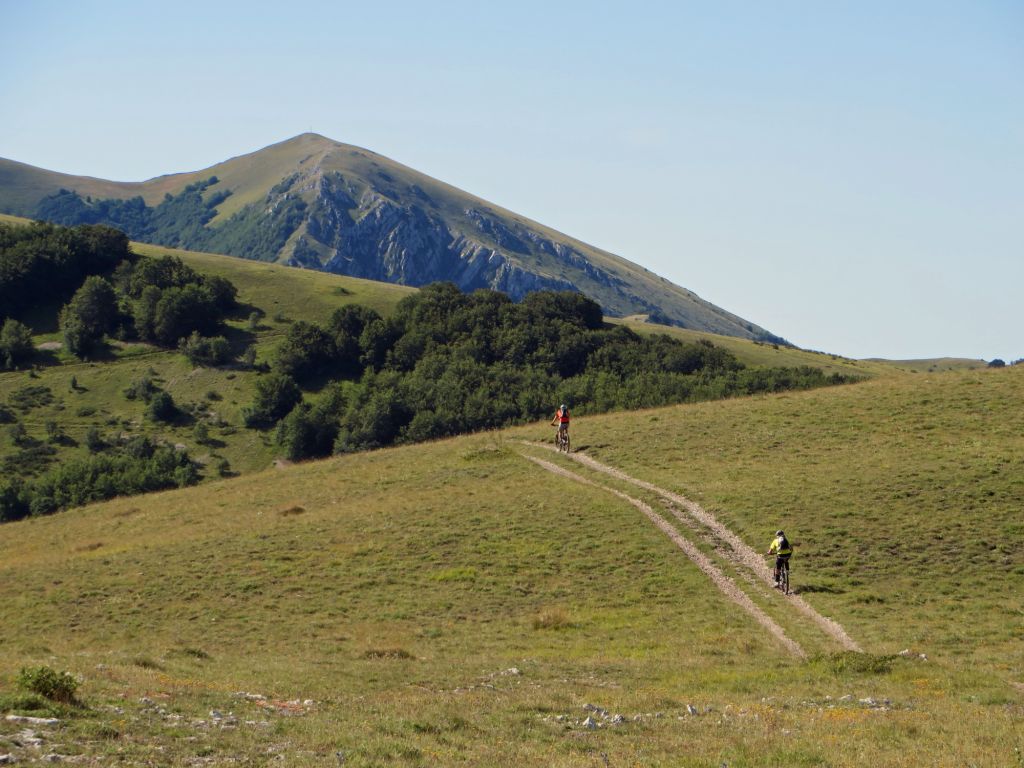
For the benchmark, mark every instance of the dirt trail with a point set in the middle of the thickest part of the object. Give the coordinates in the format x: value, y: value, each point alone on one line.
x: 723, y: 582
x: 744, y: 553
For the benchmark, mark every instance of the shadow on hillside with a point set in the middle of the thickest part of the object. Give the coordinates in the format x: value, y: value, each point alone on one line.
x: 43, y: 317
x: 317, y: 382
x: 45, y: 357
x: 818, y: 588
x: 240, y: 339
x: 245, y: 311
x: 104, y: 353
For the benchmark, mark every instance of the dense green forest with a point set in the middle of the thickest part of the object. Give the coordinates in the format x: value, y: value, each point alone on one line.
x: 101, y: 289
x: 179, y: 221
x: 446, y: 363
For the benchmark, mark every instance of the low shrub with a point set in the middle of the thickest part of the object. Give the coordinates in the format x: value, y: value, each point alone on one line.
x: 856, y: 663
x: 49, y: 683
x: 32, y: 396
x: 141, y: 389
x: 205, y: 350
x: 162, y: 408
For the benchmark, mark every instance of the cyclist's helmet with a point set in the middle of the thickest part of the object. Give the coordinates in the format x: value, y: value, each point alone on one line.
x: 563, y: 406
x: 779, y: 533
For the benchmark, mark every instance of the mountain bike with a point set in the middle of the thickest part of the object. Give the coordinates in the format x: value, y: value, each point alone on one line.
x: 783, y: 584
x: 562, y: 440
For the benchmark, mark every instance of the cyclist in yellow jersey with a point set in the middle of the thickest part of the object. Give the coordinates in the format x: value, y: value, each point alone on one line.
x: 780, y: 547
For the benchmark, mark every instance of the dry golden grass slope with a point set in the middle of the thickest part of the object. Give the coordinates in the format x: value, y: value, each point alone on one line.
x: 455, y: 604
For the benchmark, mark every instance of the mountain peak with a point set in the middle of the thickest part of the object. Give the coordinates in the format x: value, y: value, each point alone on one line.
x: 314, y: 202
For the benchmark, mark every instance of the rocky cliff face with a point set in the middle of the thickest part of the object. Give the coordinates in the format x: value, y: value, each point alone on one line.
x: 360, y: 232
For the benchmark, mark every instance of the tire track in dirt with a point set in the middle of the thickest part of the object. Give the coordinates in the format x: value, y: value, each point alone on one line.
x: 726, y: 585
x: 744, y: 553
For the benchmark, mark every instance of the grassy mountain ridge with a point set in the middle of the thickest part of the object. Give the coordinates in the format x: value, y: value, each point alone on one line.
x: 345, y: 209
x: 450, y: 603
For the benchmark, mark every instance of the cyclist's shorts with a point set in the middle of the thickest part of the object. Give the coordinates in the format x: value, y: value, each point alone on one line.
x: 782, y: 561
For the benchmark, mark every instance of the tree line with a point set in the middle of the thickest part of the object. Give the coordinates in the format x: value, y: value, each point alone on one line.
x: 102, y: 289
x: 180, y: 221
x: 137, y: 466
x: 447, y: 363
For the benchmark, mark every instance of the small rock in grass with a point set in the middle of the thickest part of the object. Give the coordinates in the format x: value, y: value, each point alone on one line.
x: 590, y: 723
x: 691, y: 710
x: 32, y: 720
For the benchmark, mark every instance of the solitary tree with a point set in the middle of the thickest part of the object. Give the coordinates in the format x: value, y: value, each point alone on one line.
x: 15, y: 343
x: 88, y: 316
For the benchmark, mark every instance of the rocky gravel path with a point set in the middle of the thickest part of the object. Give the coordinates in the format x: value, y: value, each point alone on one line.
x: 726, y: 585
x: 725, y: 542
x: 741, y: 551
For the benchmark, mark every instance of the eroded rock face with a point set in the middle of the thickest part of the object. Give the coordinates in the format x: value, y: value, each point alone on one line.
x: 366, y: 234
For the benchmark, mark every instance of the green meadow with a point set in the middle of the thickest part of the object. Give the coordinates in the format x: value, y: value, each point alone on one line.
x: 454, y: 603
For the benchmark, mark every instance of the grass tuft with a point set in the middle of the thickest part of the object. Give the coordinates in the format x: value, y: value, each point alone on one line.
x: 387, y: 653
x: 455, y: 574
x: 145, y: 662
x: 552, y: 618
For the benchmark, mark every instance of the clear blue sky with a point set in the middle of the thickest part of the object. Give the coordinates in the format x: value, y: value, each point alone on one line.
x: 849, y: 175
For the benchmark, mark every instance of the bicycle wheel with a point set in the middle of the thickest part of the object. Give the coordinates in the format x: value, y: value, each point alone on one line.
x: 785, y: 579
x: 566, y: 442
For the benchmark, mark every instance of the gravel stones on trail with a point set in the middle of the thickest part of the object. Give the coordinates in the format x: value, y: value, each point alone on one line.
x: 599, y: 717
x: 219, y: 719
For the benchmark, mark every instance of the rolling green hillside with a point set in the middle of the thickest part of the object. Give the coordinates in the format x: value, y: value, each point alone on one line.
x: 59, y: 417
x: 332, y: 206
x: 281, y: 295
x: 458, y: 603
